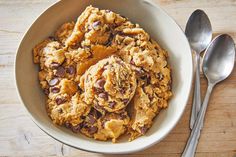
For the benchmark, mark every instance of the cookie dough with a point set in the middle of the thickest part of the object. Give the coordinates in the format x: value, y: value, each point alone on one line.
x: 112, y: 125
x: 103, y: 76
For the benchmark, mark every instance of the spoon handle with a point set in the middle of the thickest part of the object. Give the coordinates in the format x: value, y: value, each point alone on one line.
x: 197, y: 93
x: 191, y: 146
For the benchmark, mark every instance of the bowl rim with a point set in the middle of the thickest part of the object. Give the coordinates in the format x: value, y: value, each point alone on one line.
x: 41, y: 127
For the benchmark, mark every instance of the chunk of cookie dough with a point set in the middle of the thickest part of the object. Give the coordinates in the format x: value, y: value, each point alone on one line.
x: 53, y: 52
x: 64, y: 31
x: 94, y: 26
x: 150, y: 97
x: 64, y: 88
x: 102, y: 127
x: 110, y: 84
x: 66, y: 112
x: 112, y: 126
x: 90, y: 40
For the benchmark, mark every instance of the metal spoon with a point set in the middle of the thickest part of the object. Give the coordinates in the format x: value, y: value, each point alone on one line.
x: 218, y: 63
x: 199, y: 33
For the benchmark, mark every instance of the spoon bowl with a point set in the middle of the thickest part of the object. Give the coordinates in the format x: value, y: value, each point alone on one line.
x: 218, y: 62
x: 199, y: 31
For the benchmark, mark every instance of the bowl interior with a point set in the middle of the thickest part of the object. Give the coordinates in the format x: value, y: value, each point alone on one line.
x: 155, y: 21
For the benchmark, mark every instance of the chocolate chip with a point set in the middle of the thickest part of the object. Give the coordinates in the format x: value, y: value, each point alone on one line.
x: 60, y: 101
x: 83, y: 29
x: 76, y: 128
x: 107, y: 11
x: 142, y: 48
x: 112, y: 104
x: 76, y: 45
x: 159, y: 76
x: 132, y: 62
x: 55, y: 90
x: 121, y: 33
x: 90, y: 56
x: 169, y: 85
x: 150, y: 97
x: 92, y: 120
x: 123, y: 116
x: 98, y: 114
x: 119, y: 62
x: 139, y: 71
x: 100, y: 84
x: 103, y: 123
x: 92, y: 129
x: 126, y: 101
x: 53, y: 82
x: 85, y: 125
x: 166, y: 65
x: 52, y: 38
x: 60, y: 71
x: 100, y: 110
x: 87, y: 47
x: 79, y: 89
x: 54, y: 65
x: 89, y: 28
x: 70, y: 70
x: 97, y: 90
x: 107, y: 29
x: 157, y: 84
x: 109, y: 41
x: 97, y: 107
x: 146, y: 78
x: 96, y: 24
x: 67, y: 125
x: 122, y: 91
x: 105, y: 67
x: 60, y: 110
x: 143, y: 130
x: 46, y: 91
x: 103, y: 96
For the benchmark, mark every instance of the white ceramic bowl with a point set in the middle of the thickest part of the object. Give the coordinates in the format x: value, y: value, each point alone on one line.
x: 155, y: 21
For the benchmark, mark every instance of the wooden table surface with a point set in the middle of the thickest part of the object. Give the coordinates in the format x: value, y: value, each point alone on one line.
x: 19, y: 136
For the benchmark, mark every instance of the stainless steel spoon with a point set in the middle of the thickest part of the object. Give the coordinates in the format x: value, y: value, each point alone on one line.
x: 218, y: 63
x: 199, y: 33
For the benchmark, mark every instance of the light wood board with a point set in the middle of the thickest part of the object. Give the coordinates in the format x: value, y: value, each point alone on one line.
x: 19, y: 136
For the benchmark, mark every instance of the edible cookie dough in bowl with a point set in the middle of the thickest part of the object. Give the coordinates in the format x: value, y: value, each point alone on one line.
x: 105, y: 76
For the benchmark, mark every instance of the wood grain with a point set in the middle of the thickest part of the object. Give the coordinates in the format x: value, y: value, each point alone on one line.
x: 19, y: 136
